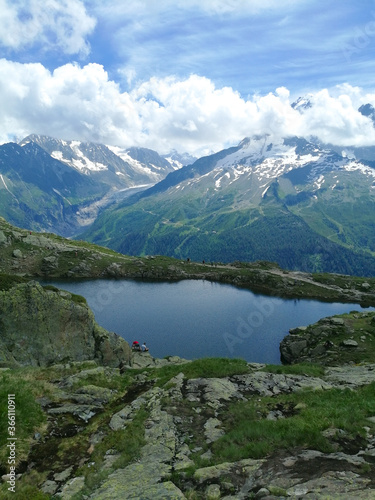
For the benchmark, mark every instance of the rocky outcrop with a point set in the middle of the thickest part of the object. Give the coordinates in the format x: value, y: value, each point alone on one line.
x: 187, y: 410
x: 41, y: 326
x: 145, y: 360
x: 330, y: 341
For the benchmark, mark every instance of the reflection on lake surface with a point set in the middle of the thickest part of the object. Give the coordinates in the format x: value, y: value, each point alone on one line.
x: 194, y: 319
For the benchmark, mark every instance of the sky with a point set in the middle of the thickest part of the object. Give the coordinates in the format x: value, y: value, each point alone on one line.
x: 193, y: 76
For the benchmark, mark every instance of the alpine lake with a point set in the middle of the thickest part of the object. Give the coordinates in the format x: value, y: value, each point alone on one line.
x: 197, y: 318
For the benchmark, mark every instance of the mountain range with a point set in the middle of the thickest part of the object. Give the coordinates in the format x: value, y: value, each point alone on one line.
x: 292, y: 201
x: 305, y: 205
x: 53, y: 185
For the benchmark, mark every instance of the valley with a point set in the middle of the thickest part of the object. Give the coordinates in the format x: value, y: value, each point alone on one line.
x: 301, y: 204
x: 291, y: 202
x: 61, y: 186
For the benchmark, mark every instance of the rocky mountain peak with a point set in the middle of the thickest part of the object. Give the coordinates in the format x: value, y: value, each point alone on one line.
x: 368, y: 110
x: 302, y: 103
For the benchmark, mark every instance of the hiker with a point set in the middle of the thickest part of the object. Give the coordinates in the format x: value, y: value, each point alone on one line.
x: 136, y: 346
x: 144, y: 347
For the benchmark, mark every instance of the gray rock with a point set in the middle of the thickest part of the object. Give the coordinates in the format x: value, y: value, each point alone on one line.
x: 207, y: 455
x: 211, y: 430
x: 49, y: 487
x: 298, y: 330
x: 350, y: 343
x: 351, y: 376
x: 123, y: 417
x: 49, y: 263
x: 145, y: 360
x: 182, y: 460
x: 59, y: 331
x: 337, y: 321
x: 130, y: 484
x: 109, y: 460
x: 17, y: 254
x: 214, y: 391
x: 72, y: 488
x: 62, y: 476
x: 318, y: 351
x: 97, y: 394
x: 248, y: 466
x: 291, y: 347
x: 154, y: 463
x: 84, y: 412
x: 213, y: 492
x: 263, y: 492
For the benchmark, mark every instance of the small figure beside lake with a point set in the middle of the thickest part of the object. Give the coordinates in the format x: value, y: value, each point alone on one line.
x: 136, y: 346
x: 144, y: 347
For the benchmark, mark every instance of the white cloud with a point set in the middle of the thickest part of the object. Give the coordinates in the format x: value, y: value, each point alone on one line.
x: 337, y: 120
x: 189, y: 115
x: 71, y: 102
x: 62, y: 24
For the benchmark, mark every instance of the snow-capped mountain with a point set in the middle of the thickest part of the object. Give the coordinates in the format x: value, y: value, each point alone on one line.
x: 113, y: 166
x: 302, y: 103
x: 179, y: 160
x: 257, y: 162
x: 42, y: 193
x: 286, y: 200
x: 368, y: 110
x: 53, y: 185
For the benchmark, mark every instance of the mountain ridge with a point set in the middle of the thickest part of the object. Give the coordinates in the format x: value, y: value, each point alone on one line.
x: 60, y: 186
x: 224, y: 205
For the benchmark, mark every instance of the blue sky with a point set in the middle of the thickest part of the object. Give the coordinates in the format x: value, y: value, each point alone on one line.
x: 251, y: 49
x: 192, y: 75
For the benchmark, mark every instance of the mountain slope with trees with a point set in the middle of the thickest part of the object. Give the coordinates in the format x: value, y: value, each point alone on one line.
x: 292, y: 202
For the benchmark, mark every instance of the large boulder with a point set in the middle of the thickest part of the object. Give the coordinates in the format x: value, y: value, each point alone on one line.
x: 41, y: 327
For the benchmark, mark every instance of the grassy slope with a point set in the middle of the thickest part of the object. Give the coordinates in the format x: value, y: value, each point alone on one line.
x: 332, y: 233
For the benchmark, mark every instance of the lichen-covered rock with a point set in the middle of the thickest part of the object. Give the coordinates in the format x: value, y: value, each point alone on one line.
x: 39, y: 327
x: 145, y: 360
x: 330, y: 341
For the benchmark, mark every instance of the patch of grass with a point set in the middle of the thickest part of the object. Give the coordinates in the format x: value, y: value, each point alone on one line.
x: 22, y: 492
x: 7, y: 281
x: 114, y: 382
x: 204, y: 367
x: 250, y: 435
x: 308, y: 369
x: 28, y: 414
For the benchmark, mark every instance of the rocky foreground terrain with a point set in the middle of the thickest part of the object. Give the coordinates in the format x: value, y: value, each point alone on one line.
x: 94, y: 420
x: 207, y: 429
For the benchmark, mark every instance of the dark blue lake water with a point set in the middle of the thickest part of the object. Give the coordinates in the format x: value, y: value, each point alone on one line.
x: 194, y: 319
